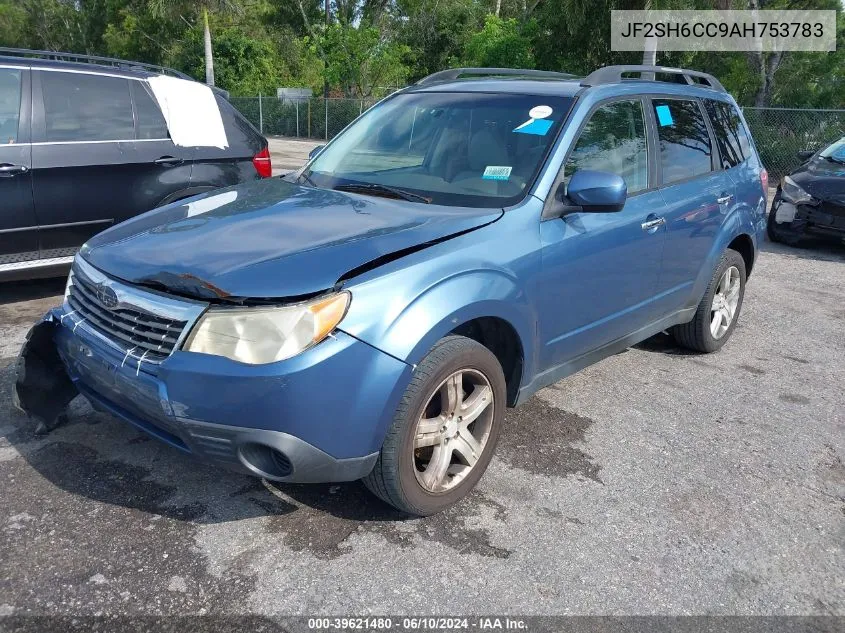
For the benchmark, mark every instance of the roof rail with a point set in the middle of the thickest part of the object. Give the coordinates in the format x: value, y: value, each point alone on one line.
x: 92, y: 59
x: 455, y: 73
x: 613, y: 74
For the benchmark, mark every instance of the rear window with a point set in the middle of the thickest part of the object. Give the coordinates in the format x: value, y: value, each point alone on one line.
x: 684, y: 142
x: 10, y: 105
x: 151, y: 124
x: 83, y: 107
x: 731, y: 138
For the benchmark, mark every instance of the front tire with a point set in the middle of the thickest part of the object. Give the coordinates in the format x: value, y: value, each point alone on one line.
x: 445, y: 429
x: 717, y: 314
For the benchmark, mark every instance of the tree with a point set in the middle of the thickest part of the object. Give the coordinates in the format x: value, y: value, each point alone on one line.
x: 436, y: 32
x: 500, y: 44
x: 201, y: 7
x: 359, y: 59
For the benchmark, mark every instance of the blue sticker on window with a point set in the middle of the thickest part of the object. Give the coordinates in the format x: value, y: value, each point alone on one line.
x: 664, y: 117
x: 540, y: 127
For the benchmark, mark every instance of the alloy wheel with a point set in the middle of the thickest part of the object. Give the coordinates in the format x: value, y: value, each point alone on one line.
x: 453, y: 430
x: 725, y: 302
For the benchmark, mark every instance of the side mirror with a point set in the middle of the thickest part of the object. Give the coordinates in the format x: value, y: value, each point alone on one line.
x: 804, y: 154
x: 315, y: 151
x: 591, y: 192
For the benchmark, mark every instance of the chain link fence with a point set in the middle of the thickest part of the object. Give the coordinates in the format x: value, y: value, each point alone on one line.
x: 779, y: 133
x: 314, y: 118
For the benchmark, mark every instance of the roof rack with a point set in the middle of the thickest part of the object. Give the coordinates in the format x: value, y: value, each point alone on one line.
x: 455, y: 73
x: 613, y: 74
x: 93, y: 59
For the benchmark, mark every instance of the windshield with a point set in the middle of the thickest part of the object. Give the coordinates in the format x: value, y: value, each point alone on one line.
x: 457, y: 149
x: 835, y: 151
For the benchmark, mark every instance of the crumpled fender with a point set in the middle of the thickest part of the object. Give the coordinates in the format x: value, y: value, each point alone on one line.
x: 42, y: 387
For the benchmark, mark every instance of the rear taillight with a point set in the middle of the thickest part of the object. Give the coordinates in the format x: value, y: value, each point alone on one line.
x: 262, y: 164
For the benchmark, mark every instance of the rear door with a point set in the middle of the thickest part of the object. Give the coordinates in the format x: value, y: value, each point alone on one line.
x: 83, y: 131
x: 18, y: 228
x: 101, y: 155
x: 736, y: 154
x: 696, y: 192
x: 159, y: 170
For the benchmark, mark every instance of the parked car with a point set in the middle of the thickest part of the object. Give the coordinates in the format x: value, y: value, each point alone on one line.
x: 84, y: 145
x: 810, y: 202
x: 461, y: 245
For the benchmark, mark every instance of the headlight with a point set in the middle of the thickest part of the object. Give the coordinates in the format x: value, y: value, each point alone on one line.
x: 266, y: 335
x: 791, y: 192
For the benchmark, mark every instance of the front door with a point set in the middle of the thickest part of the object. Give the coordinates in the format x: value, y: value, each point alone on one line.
x: 600, y: 270
x: 18, y: 227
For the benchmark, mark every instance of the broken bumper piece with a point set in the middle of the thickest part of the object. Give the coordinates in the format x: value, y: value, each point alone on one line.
x: 318, y: 417
x: 42, y: 387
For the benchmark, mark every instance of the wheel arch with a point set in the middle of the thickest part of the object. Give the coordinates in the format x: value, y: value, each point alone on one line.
x: 737, y: 233
x: 494, y: 311
x: 500, y: 337
x: 744, y: 245
x: 182, y: 194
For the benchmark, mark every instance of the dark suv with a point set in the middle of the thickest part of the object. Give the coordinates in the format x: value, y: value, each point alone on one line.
x: 84, y: 145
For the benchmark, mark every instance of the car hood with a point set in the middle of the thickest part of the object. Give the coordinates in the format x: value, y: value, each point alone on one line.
x: 822, y: 179
x: 270, y: 239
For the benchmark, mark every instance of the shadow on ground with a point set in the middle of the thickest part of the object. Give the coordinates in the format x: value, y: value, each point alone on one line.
x: 14, y: 291
x: 810, y: 248
x: 95, y: 457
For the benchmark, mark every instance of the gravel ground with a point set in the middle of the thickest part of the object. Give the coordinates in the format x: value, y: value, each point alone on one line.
x: 655, y: 482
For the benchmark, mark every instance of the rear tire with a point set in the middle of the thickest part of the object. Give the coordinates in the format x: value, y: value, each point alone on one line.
x: 445, y: 429
x: 717, y: 314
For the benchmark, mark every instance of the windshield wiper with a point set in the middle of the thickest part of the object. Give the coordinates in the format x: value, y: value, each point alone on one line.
x: 833, y: 159
x: 374, y: 189
x: 304, y: 176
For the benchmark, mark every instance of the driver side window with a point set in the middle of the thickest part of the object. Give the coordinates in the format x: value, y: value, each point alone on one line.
x: 614, y: 141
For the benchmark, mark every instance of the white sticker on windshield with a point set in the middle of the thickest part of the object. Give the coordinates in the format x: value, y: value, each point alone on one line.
x: 536, y: 124
x: 497, y: 172
x: 540, y: 112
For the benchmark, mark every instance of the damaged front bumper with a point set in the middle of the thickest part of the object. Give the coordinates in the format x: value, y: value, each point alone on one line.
x: 823, y: 220
x: 318, y: 417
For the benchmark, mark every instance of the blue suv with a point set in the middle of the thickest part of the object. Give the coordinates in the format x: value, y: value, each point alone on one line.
x: 469, y: 240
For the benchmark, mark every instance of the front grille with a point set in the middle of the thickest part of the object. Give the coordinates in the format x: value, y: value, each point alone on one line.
x: 141, y: 334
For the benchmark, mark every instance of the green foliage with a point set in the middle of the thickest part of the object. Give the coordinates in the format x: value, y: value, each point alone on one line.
x: 375, y: 45
x: 437, y: 32
x: 13, y: 21
x: 359, y: 60
x: 501, y: 43
x: 243, y: 65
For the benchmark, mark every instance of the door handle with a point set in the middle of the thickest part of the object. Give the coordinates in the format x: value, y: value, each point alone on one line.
x: 648, y: 225
x: 12, y: 170
x: 724, y: 199
x: 169, y: 161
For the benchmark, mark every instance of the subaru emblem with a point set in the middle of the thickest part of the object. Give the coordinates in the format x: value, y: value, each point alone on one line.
x: 107, y: 296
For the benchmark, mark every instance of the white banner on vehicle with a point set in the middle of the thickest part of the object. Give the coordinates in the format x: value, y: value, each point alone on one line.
x: 190, y: 111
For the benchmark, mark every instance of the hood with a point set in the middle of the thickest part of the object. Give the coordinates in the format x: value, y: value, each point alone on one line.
x: 270, y: 239
x: 822, y: 179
